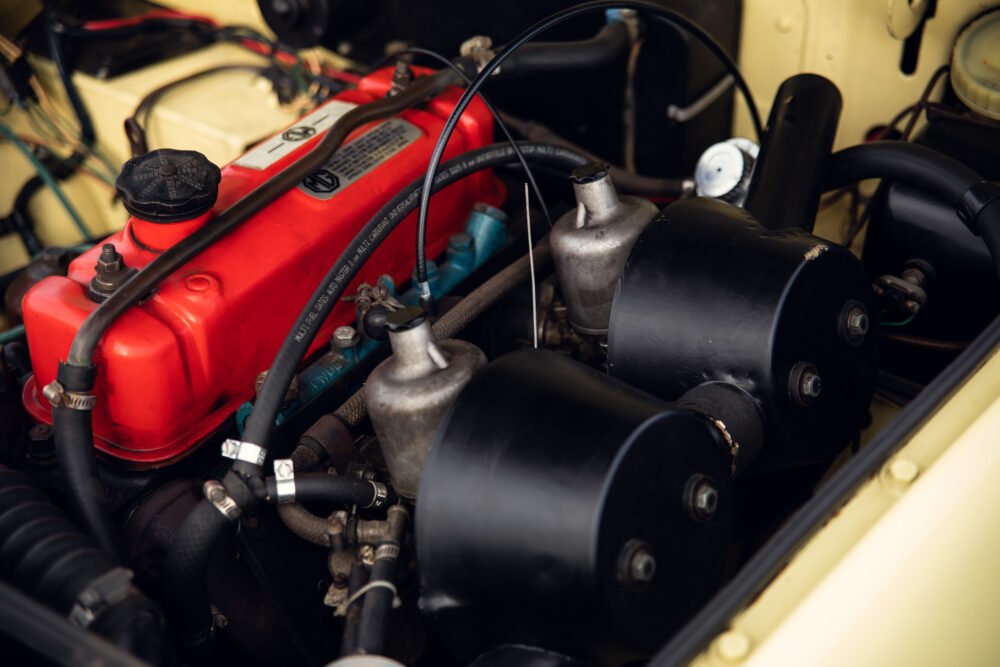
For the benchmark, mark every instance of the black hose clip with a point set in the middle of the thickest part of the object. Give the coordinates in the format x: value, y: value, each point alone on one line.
x: 975, y: 200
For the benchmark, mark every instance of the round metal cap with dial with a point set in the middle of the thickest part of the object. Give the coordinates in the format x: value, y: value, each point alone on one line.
x: 724, y: 170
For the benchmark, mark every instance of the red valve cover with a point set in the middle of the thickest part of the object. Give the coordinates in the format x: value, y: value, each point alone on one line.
x: 172, y: 369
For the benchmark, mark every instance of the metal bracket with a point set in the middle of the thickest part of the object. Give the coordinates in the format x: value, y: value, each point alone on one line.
x: 284, y: 478
x: 244, y: 451
x: 684, y: 114
x: 59, y: 397
x: 216, y: 494
x: 110, y: 588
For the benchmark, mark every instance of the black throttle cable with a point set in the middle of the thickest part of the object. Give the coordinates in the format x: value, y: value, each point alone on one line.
x: 656, y: 11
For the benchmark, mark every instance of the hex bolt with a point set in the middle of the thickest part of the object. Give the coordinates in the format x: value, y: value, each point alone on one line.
x: 110, y: 260
x: 811, y: 384
x: 706, y: 499
x: 804, y: 384
x: 345, y: 337
x: 636, y: 564
x: 283, y: 469
x: 701, y: 498
x: 643, y: 567
x: 857, y: 322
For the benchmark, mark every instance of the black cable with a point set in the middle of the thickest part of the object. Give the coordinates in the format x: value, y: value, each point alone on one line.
x: 269, y: 399
x: 87, y: 135
x: 135, y: 125
x: 660, y: 13
x: 416, y: 50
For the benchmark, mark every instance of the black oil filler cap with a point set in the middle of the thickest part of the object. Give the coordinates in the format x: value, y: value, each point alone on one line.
x: 167, y: 185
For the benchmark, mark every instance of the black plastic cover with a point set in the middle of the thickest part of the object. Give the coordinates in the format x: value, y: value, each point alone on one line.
x: 541, y: 474
x: 168, y: 185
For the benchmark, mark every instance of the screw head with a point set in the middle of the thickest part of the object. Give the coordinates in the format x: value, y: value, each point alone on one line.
x: 110, y: 260
x: 701, y: 498
x: 345, y: 337
x: 706, y: 499
x: 811, y: 385
x: 643, y: 567
x: 636, y: 564
x: 804, y: 383
x: 857, y: 322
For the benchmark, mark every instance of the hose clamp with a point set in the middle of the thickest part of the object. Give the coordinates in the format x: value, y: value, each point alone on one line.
x: 975, y: 200
x: 387, y: 551
x: 244, y: 451
x: 108, y: 589
x: 60, y: 397
x: 380, y: 497
x: 284, y: 478
x: 216, y: 494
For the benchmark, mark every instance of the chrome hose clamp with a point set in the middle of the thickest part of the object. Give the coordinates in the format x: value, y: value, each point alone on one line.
x: 216, y: 494
x: 110, y: 588
x: 244, y: 451
x: 284, y: 478
x: 380, y: 497
x: 60, y: 397
x: 386, y: 551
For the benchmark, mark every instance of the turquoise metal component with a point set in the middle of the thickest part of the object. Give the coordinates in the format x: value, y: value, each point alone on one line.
x: 484, y: 236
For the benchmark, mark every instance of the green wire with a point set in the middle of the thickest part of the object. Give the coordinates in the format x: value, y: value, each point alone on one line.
x: 901, y: 323
x: 12, y: 334
x: 46, y: 176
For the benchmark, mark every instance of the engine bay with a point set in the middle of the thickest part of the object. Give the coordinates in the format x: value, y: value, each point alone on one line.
x: 484, y: 341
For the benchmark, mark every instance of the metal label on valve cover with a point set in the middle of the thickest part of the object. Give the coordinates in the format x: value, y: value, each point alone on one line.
x: 280, y: 145
x: 359, y: 157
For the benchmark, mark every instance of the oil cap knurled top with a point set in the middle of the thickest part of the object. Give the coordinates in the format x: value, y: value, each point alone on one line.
x: 168, y: 185
x: 975, y: 65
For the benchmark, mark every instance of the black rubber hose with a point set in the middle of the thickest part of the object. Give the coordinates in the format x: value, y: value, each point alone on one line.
x: 184, y: 571
x: 610, y: 43
x: 44, y: 554
x: 74, y: 444
x: 321, y: 487
x: 976, y: 199
x: 648, y: 186
x: 357, y: 579
x: 331, y: 288
x: 378, y: 601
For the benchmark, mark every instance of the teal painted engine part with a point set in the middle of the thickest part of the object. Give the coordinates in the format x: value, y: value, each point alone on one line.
x: 484, y: 236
